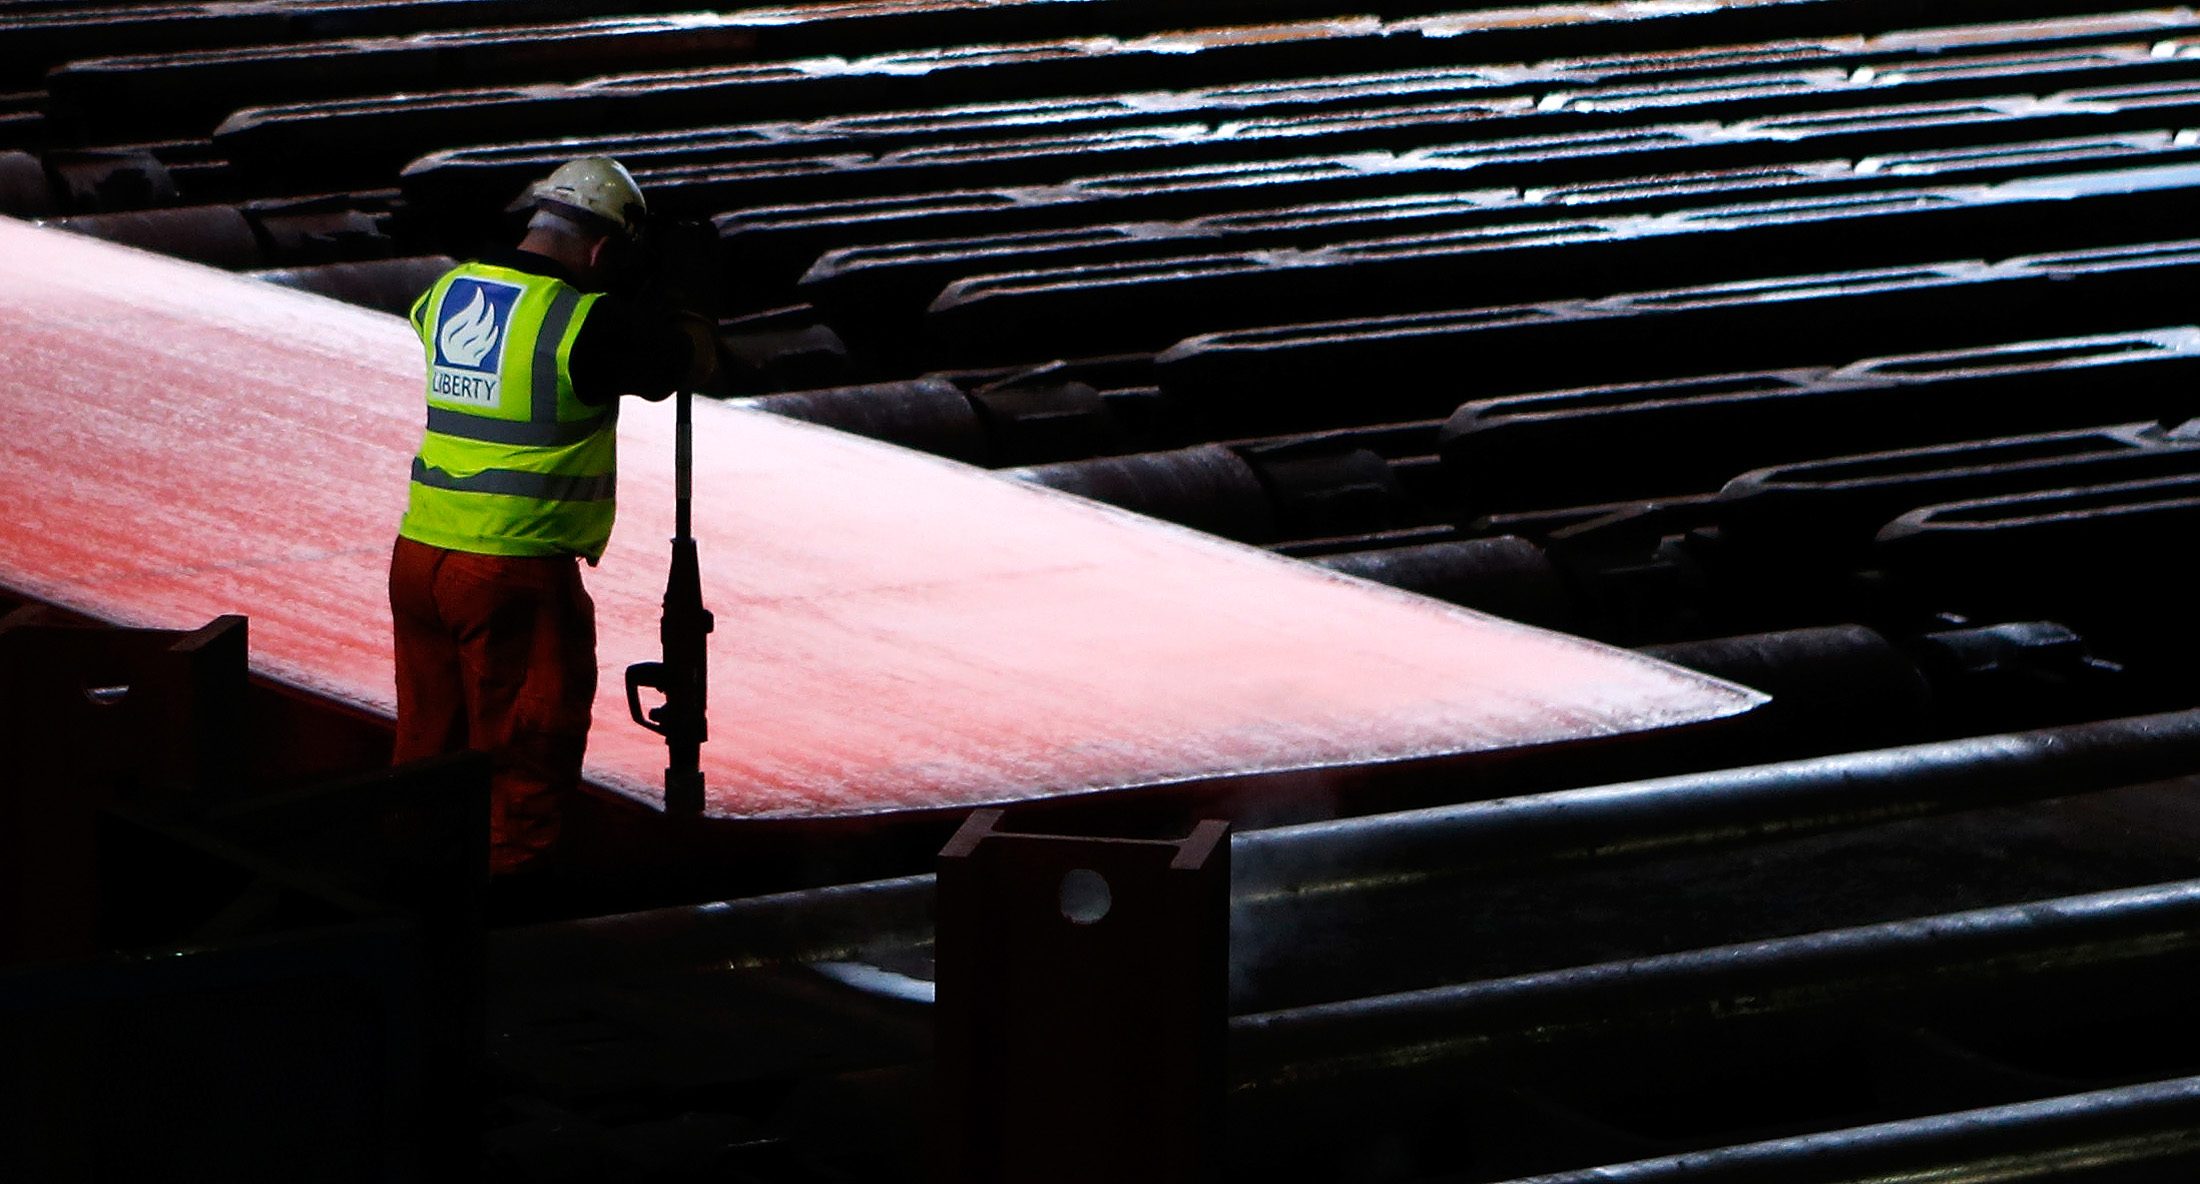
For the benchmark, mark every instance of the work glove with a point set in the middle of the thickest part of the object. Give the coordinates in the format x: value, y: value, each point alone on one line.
x: 702, y: 341
x: 682, y: 271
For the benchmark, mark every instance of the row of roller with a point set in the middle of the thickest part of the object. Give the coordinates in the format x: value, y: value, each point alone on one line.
x: 1787, y: 467
x: 1859, y: 967
x: 237, y: 83
x: 1074, y: 264
x: 1408, y: 113
x: 1538, y: 983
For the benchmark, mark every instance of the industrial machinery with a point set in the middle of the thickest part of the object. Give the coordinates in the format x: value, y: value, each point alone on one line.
x: 1456, y: 593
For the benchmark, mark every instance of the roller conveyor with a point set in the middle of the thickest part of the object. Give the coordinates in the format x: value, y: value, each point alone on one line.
x: 1018, y: 315
x: 1263, y: 376
x: 869, y: 288
x: 1500, y: 450
x: 398, y: 128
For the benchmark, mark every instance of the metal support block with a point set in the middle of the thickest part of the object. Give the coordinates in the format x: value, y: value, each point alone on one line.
x: 1083, y: 989
x: 86, y: 715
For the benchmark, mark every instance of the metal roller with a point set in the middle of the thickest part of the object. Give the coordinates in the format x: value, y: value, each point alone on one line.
x: 1701, y: 811
x: 401, y: 128
x: 1826, y: 511
x: 2144, y: 1132
x: 1922, y: 962
x: 1593, y: 443
x: 218, y: 235
x: 1840, y: 686
x: 25, y: 190
x: 391, y: 285
x: 1208, y: 487
x: 1135, y: 306
x: 1277, y: 378
x: 2093, y: 555
x: 930, y: 414
x: 1505, y: 576
x: 1792, y: 153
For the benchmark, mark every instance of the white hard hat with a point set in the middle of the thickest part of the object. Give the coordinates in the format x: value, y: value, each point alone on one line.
x: 598, y: 188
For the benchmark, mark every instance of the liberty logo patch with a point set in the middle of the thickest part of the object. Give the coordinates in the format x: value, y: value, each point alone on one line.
x: 469, y: 341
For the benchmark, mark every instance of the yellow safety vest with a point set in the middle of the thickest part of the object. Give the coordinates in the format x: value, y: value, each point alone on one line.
x: 511, y: 462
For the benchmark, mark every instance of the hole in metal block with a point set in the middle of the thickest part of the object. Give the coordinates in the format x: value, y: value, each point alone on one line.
x: 1085, y: 897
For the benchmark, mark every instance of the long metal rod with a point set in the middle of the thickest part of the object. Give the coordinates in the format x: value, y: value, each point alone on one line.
x: 2100, y: 1135
x: 1703, y: 811
x: 1927, y: 958
x: 683, y: 464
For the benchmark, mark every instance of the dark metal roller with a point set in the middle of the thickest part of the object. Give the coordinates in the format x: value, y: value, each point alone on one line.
x: 1505, y: 576
x: 2133, y: 1134
x: 1768, y: 156
x: 1208, y: 487
x: 1894, y: 966
x: 404, y: 127
x: 931, y: 414
x: 25, y: 190
x: 1597, y: 93
x: 62, y: 33
x: 1828, y: 510
x: 339, y: 228
x: 219, y: 235
x: 1045, y: 416
x: 1277, y: 379
x: 1833, y: 687
x: 104, y: 180
x: 1321, y: 489
x: 768, y: 353
x: 191, y: 90
x: 813, y: 925
x: 2101, y: 557
x: 391, y: 285
x: 1722, y: 808
x: 1147, y: 305
x: 1595, y: 443
x: 1504, y: 143
x: 1679, y: 166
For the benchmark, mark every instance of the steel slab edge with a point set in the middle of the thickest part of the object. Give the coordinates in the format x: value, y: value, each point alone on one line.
x: 895, y: 632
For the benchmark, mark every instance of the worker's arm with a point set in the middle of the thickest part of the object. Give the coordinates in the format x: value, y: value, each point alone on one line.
x: 633, y: 346
x: 655, y: 332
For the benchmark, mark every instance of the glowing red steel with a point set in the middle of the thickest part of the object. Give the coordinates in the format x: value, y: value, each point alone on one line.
x: 894, y: 631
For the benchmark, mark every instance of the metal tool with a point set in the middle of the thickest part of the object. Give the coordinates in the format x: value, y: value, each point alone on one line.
x: 683, y: 674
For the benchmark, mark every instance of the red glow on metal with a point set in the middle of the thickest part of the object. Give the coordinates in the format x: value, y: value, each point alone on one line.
x: 894, y: 631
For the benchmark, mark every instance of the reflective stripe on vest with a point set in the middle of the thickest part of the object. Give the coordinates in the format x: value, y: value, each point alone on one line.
x: 512, y: 463
x: 547, y: 487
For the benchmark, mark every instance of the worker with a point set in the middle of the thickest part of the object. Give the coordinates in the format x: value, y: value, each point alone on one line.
x: 528, y: 353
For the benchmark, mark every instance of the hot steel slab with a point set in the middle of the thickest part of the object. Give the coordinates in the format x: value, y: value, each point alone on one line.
x: 895, y: 632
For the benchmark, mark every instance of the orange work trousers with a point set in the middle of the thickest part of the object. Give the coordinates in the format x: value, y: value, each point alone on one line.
x: 497, y: 653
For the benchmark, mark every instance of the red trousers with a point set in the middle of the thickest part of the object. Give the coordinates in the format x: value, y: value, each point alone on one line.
x: 498, y: 654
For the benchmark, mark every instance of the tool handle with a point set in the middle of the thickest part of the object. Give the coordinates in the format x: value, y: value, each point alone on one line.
x: 651, y: 675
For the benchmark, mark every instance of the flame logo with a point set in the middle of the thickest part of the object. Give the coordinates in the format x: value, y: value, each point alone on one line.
x: 468, y: 337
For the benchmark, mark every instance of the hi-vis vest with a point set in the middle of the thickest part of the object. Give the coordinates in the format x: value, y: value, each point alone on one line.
x: 512, y: 463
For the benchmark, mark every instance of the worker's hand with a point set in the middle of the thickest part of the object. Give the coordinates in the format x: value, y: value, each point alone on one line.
x: 702, y: 341
x: 684, y: 266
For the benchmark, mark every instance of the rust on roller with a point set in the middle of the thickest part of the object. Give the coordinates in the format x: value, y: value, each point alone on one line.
x: 895, y: 631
